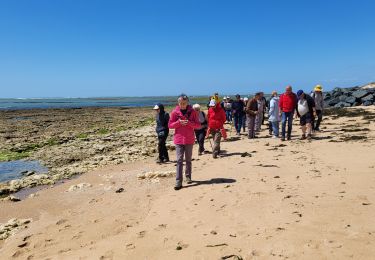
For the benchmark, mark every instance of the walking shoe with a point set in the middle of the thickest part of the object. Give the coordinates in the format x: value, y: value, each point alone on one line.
x: 309, y: 137
x: 188, y: 180
x: 303, y: 137
x: 289, y: 138
x: 199, y: 153
x: 214, y: 155
x: 283, y: 139
x: 166, y: 160
x: 159, y: 161
x: 178, y: 185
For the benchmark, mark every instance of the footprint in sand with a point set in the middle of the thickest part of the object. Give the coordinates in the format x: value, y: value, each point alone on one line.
x: 61, y: 221
x: 161, y: 227
x: 23, y: 244
x: 107, y: 256
x: 141, y: 234
x: 130, y: 246
x: 181, y: 245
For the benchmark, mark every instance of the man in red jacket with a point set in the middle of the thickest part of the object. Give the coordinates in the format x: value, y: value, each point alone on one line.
x: 216, y: 119
x: 287, y: 104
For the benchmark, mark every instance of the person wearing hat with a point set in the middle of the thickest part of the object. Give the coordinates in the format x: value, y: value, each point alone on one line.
x: 184, y: 119
x: 216, y: 119
x: 238, y: 113
x: 274, y: 115
x: 287, y: 105
x: 228, y: 109
x: 305, y: 111
x: 200, y: 133
x: 317, y: 95
x: 162, y: 130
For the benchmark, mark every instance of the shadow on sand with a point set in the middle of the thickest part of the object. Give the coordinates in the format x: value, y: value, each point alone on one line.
x: 209, y: 182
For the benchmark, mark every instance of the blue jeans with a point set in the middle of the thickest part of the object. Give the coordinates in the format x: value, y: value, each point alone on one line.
x: 275, y: 128
x: 229, y: 115
x: 238, y: 121
x: 287, y: 116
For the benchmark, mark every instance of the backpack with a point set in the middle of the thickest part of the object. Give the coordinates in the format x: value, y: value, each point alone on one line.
x: 205, y: 120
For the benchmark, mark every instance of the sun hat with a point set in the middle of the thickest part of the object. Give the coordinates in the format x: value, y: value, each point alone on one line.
x: 212, y: 103
x: 274, y: 93
x: 196, y: 106
x: 318, y: 88
x: 156, y: 107
x: 245, y: 99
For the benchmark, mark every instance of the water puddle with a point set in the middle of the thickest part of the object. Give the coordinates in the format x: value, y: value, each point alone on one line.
x: 13, y: 169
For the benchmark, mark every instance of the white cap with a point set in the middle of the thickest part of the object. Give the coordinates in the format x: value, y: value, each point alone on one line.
x: 196, y: 106
x: 245, y: 99
x: 212, y: 103
x: 156, y: 107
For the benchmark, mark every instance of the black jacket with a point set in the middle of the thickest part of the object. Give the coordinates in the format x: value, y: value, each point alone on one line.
x: 162, y: 119
x: 238, y: 106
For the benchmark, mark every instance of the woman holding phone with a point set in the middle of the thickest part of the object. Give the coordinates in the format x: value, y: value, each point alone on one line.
x: 184, y: 119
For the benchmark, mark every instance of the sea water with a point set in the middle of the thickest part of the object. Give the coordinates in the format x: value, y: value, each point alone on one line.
x: 12, y: 170
x: 44, y: 103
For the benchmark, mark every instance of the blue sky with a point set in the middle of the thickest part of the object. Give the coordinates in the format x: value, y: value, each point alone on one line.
x: 76, y: 48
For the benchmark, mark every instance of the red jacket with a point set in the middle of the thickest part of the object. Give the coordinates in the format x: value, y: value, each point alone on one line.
x: 288, y: 102
x: 216, y: 117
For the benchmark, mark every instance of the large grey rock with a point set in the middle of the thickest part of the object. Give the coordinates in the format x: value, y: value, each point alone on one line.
x: 342, y: 98
x: 343, y: 104
x: 333, y: 101
x: 337, y: 90
x: 359, y: 93
x: 350, y: 100
x: 337, y: 94
x: 368, y: 98
x: 368, y: 103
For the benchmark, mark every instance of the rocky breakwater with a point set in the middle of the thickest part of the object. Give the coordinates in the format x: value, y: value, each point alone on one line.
x: 79, y: 148
x: 350, y: 97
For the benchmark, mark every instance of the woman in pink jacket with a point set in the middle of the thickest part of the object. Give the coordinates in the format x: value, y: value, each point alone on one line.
x: 184, y: 119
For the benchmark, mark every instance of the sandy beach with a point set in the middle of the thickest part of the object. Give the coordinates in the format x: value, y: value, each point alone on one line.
x: 262, y: 199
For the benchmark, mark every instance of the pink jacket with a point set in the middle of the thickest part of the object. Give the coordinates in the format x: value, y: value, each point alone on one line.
x: 184, y: 134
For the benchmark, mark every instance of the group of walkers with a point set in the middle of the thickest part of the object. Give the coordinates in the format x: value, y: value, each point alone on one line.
x: 192, y: 125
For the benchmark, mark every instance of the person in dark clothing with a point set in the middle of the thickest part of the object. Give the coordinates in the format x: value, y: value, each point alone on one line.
x: 200, y: 133
x: 306, y: 112
x: 238, y: 113
x: 162, y: 130
x: 265, y: 107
